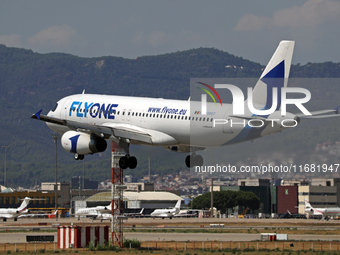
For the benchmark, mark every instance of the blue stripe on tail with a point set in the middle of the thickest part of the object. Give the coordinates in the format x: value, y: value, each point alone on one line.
x: 274, y: 79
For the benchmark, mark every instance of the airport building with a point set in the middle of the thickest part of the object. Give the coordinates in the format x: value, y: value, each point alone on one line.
x: 42, y: 200
x: 318, y: 196
x: 135, y: 201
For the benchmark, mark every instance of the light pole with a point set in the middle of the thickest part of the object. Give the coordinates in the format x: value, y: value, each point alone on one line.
x: 55, y: 139
x: 6, y: 147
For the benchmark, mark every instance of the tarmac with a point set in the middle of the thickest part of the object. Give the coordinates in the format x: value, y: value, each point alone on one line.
x: 32, y: 226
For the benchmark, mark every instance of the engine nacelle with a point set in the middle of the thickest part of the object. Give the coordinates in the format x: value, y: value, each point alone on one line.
x: 82, y: 143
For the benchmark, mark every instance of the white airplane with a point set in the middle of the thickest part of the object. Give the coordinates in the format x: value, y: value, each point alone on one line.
x: 37, y: 215
x: 134, y: 214
x: 93, y: 212
x: 15, y: 212
x: 104, y: 216
x: 87, y: 120
x: 167, y: 213
x: 324, y: 212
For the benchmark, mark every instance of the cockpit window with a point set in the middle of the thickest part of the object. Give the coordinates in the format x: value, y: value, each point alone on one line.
x: 55, y: 107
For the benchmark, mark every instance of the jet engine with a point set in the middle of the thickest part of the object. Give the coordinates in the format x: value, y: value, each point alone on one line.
x: 82, y: 143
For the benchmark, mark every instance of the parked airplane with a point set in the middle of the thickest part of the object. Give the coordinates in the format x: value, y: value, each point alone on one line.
x: 167, y: 213
x: 324, y: 212
x: 87, y: 121
x: 38, y: 215
x: 134, y: 214
x: 15, y: 212
x: 104, y: 216
x: 93, y: 212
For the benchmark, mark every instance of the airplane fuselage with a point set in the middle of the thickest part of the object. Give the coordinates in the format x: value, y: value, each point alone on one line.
x: 169, y: 122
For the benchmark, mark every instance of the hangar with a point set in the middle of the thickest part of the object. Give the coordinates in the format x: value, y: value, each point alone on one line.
x: 134, y: 201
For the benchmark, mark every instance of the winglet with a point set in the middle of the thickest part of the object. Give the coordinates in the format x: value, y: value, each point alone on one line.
x: 337, y: 110
x: 37, y: 115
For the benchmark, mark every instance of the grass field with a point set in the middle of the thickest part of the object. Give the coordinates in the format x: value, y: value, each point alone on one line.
x: 189, y: 248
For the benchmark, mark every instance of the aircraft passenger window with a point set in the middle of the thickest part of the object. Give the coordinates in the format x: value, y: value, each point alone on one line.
x: 211, y: 119
x: 140, y: 114
x: 118, y: 113
x: 157, y: 116
x: 123, y: 113
x: 133, y: 114
x: 168, y: 116
x: 196, y: 118
x: 129, y: 113
x: 147, y: 115
x: 154, y: 115
x: 200, y: 119
x: 203, y: 119
x: 171, y: 116
x: 189, y: 117
x: 182, y: 117
x: 160, y: 116
x: 186, y: 117
x: 143, y: 114
x: 207, y: 119
x: 54, y: 107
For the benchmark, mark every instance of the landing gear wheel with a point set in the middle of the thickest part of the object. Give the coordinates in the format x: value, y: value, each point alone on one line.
x: 78, y: 156
x: 124, y: 162
x: 132, y: 162
x: 198, y: 160
x: 189, y: 161
x: 194, y: 160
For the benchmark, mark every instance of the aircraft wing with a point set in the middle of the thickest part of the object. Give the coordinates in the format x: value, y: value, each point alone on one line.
x: 321, y: 114
x: 118, y: 130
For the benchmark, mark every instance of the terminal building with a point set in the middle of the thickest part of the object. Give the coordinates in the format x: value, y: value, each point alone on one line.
x: 282, y: 196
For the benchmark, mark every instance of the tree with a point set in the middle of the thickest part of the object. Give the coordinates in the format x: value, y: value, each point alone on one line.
x: 223, y: 200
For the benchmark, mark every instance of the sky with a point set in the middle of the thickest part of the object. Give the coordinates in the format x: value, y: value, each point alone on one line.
x: 133, y: 28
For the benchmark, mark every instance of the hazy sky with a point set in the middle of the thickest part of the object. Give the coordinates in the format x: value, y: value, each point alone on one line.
x: 132, y: 28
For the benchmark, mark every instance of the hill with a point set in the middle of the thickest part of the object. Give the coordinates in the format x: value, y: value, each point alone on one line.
x: 30, y: 81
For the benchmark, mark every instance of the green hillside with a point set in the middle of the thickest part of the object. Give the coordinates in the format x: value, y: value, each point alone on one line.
x: 30, y: 81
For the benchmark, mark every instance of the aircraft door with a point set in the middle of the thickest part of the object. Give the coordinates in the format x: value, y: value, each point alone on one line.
x: 65, y: 110
x: 227, y: 128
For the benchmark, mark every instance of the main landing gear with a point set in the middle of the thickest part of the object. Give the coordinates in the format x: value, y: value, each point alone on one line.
x: 194, y: 160
x: 127, y: 161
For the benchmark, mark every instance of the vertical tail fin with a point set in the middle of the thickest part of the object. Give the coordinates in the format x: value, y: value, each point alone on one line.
x: 178, y: 205
x: 274, y: 75
x: 24, y: 204
x: 308, y: 205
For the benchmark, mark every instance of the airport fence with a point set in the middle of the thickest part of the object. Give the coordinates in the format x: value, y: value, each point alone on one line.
x: 207, y: 245
x: 213, y: 245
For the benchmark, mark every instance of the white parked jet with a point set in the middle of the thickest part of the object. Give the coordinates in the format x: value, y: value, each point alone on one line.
x: 87, y: 121
x: 324, y: 212
x: 134, y: 214
x: 167, y: 213
x: 93, y: 212
x: 15, y: 212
